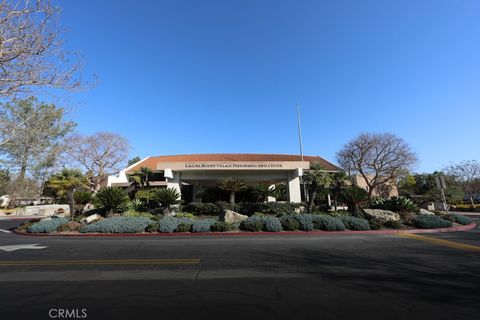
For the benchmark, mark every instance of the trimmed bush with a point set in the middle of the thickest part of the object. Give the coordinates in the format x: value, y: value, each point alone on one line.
x: 205, y: 209
x: 46, y: 226
x: 184, y: 215
x: 221, y: 226
x: 184, y: 227
x: 275, y: 208
x: 430, y: 221
x: 271, y: 224
x: 457, y: 218
x: 407, y: 217
x: 305, y: 221
x: 393, y: 224
x: 327, y: 223
x: 253, y: 223
x: 289, y: 223
x: 152, y: 227
x: 118, y: 225
x: 354, y: 223
x: 170, y: 224
x: 375, y: 224
x: 202, y: 225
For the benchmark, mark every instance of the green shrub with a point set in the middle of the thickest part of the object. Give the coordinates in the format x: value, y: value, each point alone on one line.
x: 253, y: 224
x: 305, y: 221
x: 82, y: 197
x: 407, y: 217
x: 184, y: 215
x: 457, y: 218
x: 271, y: 224
x: 170, y: 224
x: 395, y: 204
x: 327, y: 223
x: 275, y: 208
x: 430, y: 221
x: 221, y: 226
x: 46, y: 226
x: 167, y: 197
x: 184, y: 227
x: 133, y: 205
x: 289, y: 223
x: 111, y: 199
x: 152, y: 227
x: 118, y: 225
x: 354, y: 223
x: 202, y: 225
x: 375, y: 224
x: 69, y: 226
x: 393, y: 224
x: 204, y: 209
x: 223, y: 205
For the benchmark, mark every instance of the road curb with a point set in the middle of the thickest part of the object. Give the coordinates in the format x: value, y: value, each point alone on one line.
x: 470, y: 226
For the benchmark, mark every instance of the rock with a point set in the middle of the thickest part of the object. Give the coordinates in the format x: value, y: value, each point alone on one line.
x: 300, y: 209
x: 382, y: 215
x: 423, y: 211
x: 91, y: 218
x: 231, y: 216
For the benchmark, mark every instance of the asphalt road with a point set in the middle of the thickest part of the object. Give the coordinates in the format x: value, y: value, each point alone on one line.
x: 263, y: 277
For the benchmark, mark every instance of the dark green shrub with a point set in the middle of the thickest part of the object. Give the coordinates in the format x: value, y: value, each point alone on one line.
x: 152, y: 227
x: 327, y: 223
x: 305, y: 221
x: 170, y: 224
x: 82, y: 197
x: 407, y: 217
x: 118, y: 225
x: 289, y: 223
x: 457, y: 218
x: 202, y: 225
x: 223, y: 205
x: 271, y: 224
x: 430, y: 221
x: 253, y: 223
x: 375, y: 224
x: 204, y: 209
x: 184, y: 227
x: 221, y: 226
x: 395, y: 204
x: 46, y: 226
x: 111, y: 199
x: 167, y: 197
x: 354, y: 223
x: 393, y: 224
x: 275, y: 208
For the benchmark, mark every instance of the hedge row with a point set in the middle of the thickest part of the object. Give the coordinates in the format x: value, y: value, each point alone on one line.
x: 249, y: 209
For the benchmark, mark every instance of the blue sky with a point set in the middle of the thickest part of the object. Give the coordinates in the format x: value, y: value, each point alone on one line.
x: 224, y: 76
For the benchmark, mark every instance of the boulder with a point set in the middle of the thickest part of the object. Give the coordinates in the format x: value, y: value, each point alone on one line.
x: 231, y: 216
x: 382, y: 215
x: 300, y: 209
x: 423, y: 211
x: 91, y: 218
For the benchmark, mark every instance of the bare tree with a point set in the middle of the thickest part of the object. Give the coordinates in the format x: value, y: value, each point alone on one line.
x: 467, y: 175
x: 100, y: 154
x: 378, y: 158
x: 31, y: 53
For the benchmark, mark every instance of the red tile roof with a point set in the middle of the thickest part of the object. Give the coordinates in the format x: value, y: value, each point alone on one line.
x: 152, y: 162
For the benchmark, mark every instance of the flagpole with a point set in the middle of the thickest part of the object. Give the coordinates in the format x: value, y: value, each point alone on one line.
x: 301, y: 149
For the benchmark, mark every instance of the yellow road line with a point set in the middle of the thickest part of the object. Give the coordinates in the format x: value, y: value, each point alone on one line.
x: 447, y: 243
x: 98, y: 262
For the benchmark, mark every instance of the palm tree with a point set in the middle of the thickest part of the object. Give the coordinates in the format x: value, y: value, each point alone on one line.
x: 111, y: 198
x: 264, y: 191
x: 315, y: 177
x: 167, y: 197
x: 232, y: 185
x: 355, y: 197
x: 65, y: 183
x: 141, y: 177
x: 339, y: 182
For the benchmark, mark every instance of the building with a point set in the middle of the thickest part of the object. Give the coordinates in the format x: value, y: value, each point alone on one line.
x: 194, y: 171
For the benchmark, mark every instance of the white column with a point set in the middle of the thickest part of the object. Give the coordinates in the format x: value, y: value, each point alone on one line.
x: 175, y: 182
x: 293, y: 184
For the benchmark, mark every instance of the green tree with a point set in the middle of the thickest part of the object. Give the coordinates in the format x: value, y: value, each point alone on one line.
x: 111, y: 199
x: 339, y: 181
x: 232, y: 185
x: 65, y: 183
x: 167, y: 197
x: 36, y: 137
x: 315, y: 178
x: 264, y: 191
x: 355, y: 197
x: 133, y: 161
x: 141, y: 177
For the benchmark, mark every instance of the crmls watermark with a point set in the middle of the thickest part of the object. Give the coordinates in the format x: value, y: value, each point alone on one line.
x: 73, y: 313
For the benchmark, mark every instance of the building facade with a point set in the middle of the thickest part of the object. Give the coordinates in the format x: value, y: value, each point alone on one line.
x: 197, y: 171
